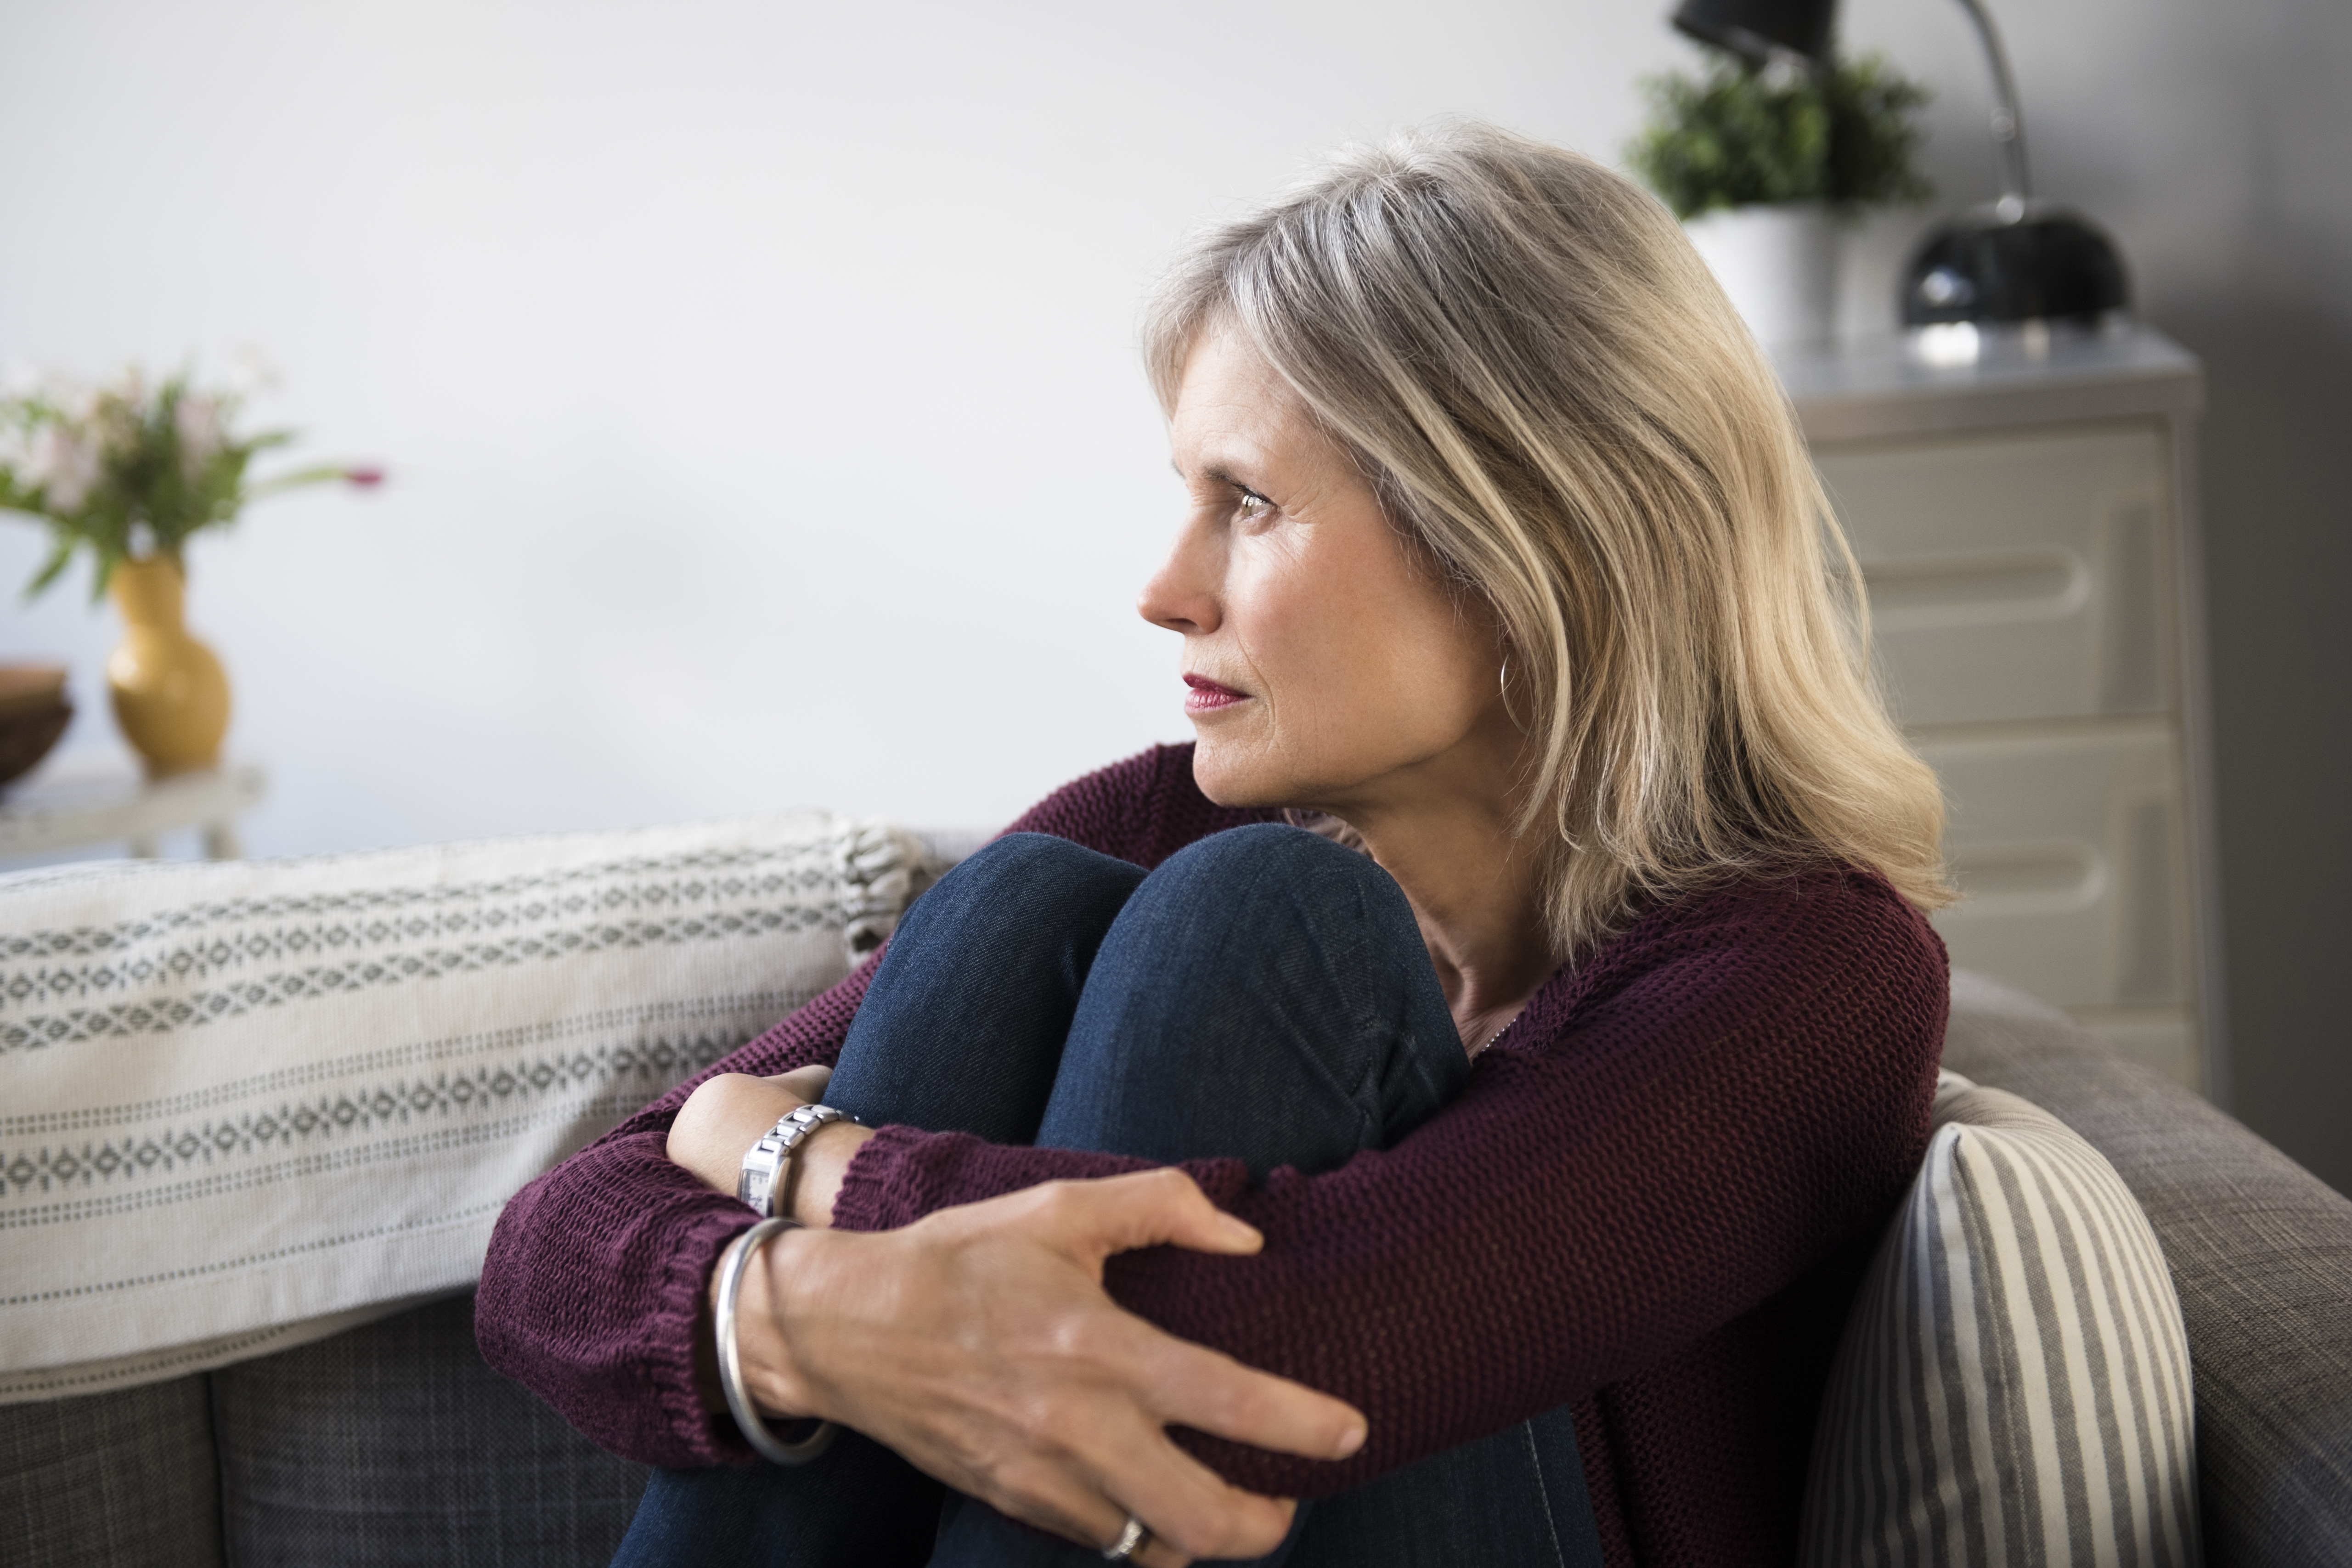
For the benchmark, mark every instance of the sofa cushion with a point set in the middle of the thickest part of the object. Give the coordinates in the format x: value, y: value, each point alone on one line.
x: 2013, y: 1381
x: 124, y: 1480
x: 236, y: 1097
x: 2261, y: 1255
x: 393, y: 1445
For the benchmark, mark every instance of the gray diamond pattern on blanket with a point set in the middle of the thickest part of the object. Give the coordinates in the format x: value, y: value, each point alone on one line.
x: 243, y: 1104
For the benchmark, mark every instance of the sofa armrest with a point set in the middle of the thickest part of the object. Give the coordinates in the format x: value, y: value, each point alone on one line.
x: 2261, y: 1253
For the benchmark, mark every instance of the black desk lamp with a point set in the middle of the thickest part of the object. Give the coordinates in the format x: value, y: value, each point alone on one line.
x: 2015, y: 259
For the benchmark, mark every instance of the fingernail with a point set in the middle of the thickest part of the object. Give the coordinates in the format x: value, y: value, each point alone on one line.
x: 1350, y: 1441
x: 1241, y: 1230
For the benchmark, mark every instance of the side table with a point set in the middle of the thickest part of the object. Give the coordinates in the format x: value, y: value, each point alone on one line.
x: 2025, y: 518
x: 71, y: 808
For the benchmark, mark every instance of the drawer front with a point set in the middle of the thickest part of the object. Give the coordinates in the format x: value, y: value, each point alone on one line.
x: 2016, y: 577
x: 2070, y: 854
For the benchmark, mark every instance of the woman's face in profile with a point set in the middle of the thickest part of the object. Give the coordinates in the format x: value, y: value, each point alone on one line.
x: 1325, y: 666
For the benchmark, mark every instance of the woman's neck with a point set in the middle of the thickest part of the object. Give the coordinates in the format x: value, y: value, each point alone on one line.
x: 1475, y: 889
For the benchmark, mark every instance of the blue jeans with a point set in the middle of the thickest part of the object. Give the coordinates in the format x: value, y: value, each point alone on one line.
x: 1263, y: 995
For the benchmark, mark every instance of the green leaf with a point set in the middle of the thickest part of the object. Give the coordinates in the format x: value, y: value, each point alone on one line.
x: 1743, y: 135
x: 62, y: 546
x: 324, y: 473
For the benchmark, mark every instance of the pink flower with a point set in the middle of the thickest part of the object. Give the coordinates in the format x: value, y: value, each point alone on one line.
x: 199, y: 423
x: 366, y: 479
x: 64, y: 468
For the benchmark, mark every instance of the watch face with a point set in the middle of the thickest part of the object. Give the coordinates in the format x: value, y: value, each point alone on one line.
x: 772, y: 1155
x: 758, y: 1180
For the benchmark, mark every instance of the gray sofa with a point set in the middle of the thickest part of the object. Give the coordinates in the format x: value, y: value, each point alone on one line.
x: 393, y: 1444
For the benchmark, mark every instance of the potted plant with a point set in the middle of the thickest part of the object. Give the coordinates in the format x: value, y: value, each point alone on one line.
x: 1760, y: 162
x: 128, y: 472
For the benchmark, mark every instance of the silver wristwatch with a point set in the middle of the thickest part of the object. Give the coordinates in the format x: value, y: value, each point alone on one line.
x: 764, y: 1182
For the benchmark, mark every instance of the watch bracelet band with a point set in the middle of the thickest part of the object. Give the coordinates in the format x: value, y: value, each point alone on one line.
x: 764, y: 1182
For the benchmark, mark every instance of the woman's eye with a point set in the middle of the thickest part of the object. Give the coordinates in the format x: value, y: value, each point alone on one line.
x: 1251, y: 505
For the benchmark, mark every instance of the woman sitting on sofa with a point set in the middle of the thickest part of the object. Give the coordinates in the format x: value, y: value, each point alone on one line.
x: 1514, y: 1137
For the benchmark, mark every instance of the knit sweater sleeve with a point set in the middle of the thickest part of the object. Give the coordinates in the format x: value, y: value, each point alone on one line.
x: 1670, y: 1135
x: 593, y: 1292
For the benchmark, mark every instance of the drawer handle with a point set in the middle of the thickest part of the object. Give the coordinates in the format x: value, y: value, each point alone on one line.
x: 2039, y: 583
x: 2029, y: 879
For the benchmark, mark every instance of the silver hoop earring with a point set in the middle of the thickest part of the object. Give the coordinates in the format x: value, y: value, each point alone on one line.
x: 1504, y: 683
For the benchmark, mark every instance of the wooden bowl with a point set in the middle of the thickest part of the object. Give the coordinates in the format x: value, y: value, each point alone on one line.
x: 26, y: 739
x: 33, y: 713
x: 30, y: 687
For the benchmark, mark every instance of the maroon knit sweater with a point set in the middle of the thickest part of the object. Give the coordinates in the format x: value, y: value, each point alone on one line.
x: 1651, y: 1199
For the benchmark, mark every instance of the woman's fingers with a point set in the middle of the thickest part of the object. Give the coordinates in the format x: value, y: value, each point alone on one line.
x: 1117, y: 1461
x: 1191, y: 1511
x: 979, y: 1343
x: 1175, y: 1382
x: 1192, y: 1386
x: 1055, y: 1500
x: 1094, y: 1519
x: 1148, y: 1208
x: 1188, y: 1384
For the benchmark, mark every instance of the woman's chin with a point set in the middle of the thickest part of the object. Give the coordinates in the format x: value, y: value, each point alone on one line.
x: 1240, y: 777
x: 1231, y: 776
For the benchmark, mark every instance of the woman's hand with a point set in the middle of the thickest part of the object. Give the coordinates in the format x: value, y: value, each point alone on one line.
x: 980, y: 1345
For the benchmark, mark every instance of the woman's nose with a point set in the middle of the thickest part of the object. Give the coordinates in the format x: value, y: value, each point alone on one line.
x: 1181, y: 595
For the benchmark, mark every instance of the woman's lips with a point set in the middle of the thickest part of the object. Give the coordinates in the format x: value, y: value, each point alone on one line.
x: 1207, y: 696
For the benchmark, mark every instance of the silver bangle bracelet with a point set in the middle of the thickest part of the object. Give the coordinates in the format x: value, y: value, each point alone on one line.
x: 755, y: 1430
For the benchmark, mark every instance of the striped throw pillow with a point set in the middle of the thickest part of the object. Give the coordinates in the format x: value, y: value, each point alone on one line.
x: 2013, y: 1385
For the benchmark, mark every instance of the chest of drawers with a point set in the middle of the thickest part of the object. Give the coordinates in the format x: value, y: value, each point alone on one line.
x: 2025, y: 524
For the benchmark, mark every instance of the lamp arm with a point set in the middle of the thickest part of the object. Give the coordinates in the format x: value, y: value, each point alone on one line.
x: 2008, y: 126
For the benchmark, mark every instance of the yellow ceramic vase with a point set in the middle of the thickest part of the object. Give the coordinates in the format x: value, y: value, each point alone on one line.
x: 170, y: 695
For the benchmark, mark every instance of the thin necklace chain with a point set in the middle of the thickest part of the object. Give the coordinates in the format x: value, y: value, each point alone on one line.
x: 1496, y: 1035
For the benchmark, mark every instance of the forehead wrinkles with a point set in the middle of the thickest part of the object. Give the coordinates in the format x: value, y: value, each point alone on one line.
x: 1224, y: 374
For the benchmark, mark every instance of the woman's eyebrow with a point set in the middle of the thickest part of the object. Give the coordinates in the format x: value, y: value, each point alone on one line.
x: 1216, y: 471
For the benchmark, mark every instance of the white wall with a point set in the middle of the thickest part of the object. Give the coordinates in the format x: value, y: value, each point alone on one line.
x: 757, y: 379
x: 757, y: 382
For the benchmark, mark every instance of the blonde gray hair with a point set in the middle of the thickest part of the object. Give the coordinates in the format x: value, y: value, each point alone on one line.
x: 1558, y: 407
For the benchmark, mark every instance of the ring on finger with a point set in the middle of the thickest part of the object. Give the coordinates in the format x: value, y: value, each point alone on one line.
x: 1131, y: 1541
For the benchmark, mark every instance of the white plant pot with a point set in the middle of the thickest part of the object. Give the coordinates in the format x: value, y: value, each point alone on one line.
x: 1778, y: 264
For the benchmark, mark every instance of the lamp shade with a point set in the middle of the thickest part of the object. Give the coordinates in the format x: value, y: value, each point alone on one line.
x: 1758, y: 28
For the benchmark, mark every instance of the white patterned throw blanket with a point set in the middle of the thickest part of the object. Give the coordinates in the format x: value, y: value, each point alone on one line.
x: 244, y: 1104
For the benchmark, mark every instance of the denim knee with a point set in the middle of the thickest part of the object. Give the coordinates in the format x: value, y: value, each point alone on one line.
x: 964, y: 1023
x: 1024, y: 856
x: 1265, y: 995
x: 1244, y: 856
x: 1008, y: 881
x: 1275, y: 889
